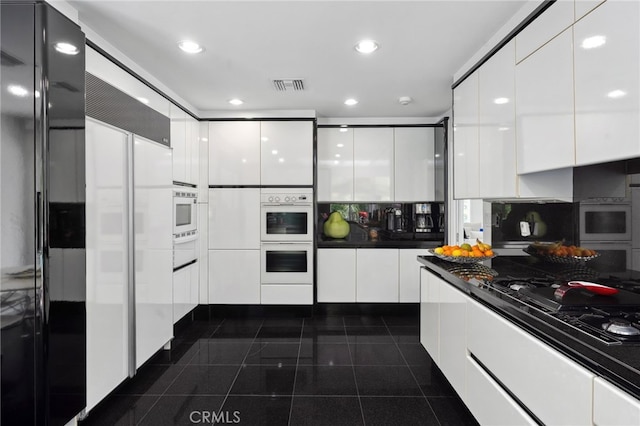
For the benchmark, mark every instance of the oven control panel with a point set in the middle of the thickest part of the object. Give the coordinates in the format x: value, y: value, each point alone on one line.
x: 297, y: 196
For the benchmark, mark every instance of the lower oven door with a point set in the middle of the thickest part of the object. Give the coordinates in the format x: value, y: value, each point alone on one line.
x: 287, y: 263
x: 615, y: 256
x: 185, y: 249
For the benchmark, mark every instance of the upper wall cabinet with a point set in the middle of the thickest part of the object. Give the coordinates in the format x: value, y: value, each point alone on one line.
x: 544, y: 107
x: 286, y: 152
x: 335, y: 164
x: 234, y: 153
x: 179, y: 143
x: 558, y: 17
x: 607, y: 83
x: 373, y: 165
x: 465, y: 139
x: 414, y: 164
x: 496, y: 134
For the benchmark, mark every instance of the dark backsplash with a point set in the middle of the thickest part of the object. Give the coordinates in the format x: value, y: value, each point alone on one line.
x: 559, y: 219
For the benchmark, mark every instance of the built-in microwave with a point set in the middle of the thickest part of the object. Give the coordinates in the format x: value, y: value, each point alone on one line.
x: 605, y: 221
x: 185, y: 222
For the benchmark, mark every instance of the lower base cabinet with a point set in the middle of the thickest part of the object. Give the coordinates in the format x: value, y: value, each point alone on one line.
x: 234, y: 277
x: 336, y: 275
x: 185, y: 290
x: 377, y: 275
x: 430, y: 314
x: 488, y: 402
x: 286, y: 294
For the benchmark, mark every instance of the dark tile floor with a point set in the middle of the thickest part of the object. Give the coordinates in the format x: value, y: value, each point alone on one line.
x: 331, y: 370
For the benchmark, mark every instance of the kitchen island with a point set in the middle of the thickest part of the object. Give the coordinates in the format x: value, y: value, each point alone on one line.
x: 492, y: 329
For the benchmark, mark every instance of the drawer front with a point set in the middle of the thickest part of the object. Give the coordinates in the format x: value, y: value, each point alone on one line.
x: 540, y: 377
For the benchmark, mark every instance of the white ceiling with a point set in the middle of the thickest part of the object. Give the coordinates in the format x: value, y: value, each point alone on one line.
x: 249, y: 43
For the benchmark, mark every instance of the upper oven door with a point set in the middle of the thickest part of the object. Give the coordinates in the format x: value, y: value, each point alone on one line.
x: 605, y: 222
x: 184, y: 213
x: 286, y: 222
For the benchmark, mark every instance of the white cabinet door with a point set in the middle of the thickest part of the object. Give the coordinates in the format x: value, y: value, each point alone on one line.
x: 497, y: 133
x: 234, y: 218
x: 465, y: 139
x: 336, y: 275
x: 489, y: 403
x: 153, y: 247
x: 203, y: 247
x: 286, y: 152
x: 234, y: 277
x: 286, y: 294
x: 430, y: 314
x: 335, y: 164
x: 529, y: 368
x: 409, y: 274
x: 607, y: 83
x: 373, y: 164
x: 181, y: 292
x: 107, y: 254
x: 193, y: 150
x: 453, y: 332
x: 234, y: 153
x: 554, y: 20
x: 414, y: 164
x: 612, y: 406
x: 544, y: 107
x: 179, y: 143
x: 377, y: 275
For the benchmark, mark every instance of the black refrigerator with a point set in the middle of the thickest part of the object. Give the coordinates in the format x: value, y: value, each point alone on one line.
x: 42, y: 210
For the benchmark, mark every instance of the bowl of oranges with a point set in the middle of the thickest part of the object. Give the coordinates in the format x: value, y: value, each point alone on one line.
x: 464, y: 253
x: 560, y: 253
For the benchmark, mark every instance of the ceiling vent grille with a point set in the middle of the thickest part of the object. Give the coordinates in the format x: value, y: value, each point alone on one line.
x: 289, y: 85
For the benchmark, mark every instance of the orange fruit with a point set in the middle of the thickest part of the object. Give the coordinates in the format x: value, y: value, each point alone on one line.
x: 488, y: 252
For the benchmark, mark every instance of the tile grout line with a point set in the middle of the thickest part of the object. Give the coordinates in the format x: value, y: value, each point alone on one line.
x: 184, y: 367
x: 242, y: 364
x: 295, y: 375
x: 411, y: 371
x: 353, y: 369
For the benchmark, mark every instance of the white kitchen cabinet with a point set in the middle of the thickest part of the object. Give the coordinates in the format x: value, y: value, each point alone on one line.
x: 497, y: 134
x: 185, y: 291
x: 286, y: 152
x: 529, y: 368
x: 607, y: 83
x: 414, y: 164
x: 488, y: 402
x: 179, y: 143
x: 544, y: 107
x: 558, y: 17
x: 373, y: 164
x: 582, y: 7
x: 612, y: 406
x: 335, y: 164
x: 202, y: 163
x: 153, y: 247
x: 377, y: 275
x: 336, y: 279
x: 286, y: 294
x: 430, y: 314
x: 234, y: 277
x: 203, y: 259
x: 453, y: 335
x: 193, y: 151
x: 234, y: 218
x: 465, y: 139
x: 234, y: 153
x: 409, y: 274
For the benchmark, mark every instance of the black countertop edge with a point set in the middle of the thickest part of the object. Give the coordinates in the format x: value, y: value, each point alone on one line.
x: 619, y: 364
x: 399, y: 244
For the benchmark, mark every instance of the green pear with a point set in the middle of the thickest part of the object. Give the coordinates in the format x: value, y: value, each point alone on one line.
x: 336, y: 226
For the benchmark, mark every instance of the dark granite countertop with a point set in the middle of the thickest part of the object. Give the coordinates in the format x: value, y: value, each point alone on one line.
x: 399, y: 244
x: 618, y: 363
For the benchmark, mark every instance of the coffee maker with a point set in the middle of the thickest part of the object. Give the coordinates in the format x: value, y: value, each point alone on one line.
x: 422, y: 220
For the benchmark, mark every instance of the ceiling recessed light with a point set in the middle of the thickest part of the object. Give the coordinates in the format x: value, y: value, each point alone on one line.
x: 593, y: 42
x: 190, y: 46
x: 614, y: 94
x: 236, y: 102
x: 501, y: 101
x: 350, y: 102
x: 66, y: 48
x: 17, y: 90
x: 143, y: 100
x: 405, y: 100
x: 366, y: 46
